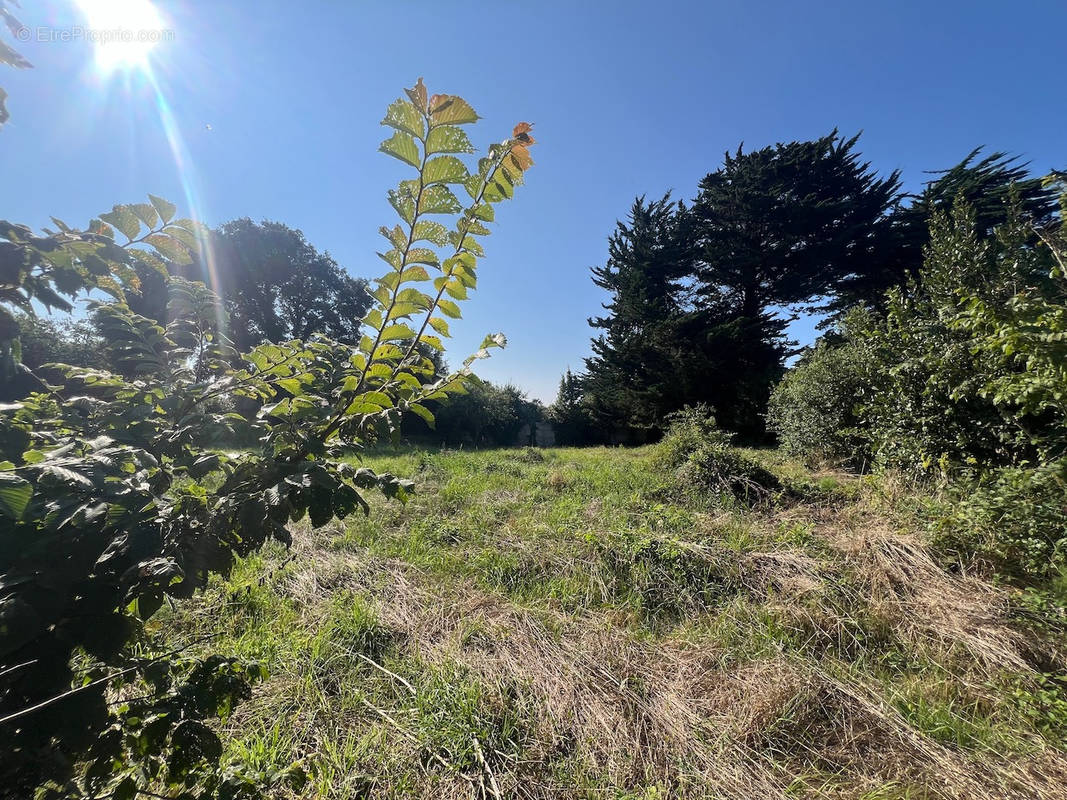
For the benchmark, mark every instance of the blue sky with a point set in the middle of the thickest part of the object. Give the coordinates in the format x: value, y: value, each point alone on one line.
x: 628, y: 98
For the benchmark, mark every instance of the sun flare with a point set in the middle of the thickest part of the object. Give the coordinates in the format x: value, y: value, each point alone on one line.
x: 123, y: 32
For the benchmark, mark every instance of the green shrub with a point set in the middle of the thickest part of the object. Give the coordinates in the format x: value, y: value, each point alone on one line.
x: 943, y: 395
x: 813, y: 410
x: 699, y: 453
x: 961, y: 374
x: 1015, y: 518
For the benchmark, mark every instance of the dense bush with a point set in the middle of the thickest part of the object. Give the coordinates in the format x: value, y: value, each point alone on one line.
x: 944, y: 381
x: 1014, y: 517
x: 963, y: 381
x: 699, y: 453
x: 485, y: 415
x: 814, y: 409
x: 931, y: 409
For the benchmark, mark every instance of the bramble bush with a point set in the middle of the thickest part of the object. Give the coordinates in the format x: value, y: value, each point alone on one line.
x: 116, y: 495
x: 698, y: 451
x: 1015, y: 517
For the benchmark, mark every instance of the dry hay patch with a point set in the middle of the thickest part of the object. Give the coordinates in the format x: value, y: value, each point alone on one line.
x: 928, y: 605
x: 634, y: 712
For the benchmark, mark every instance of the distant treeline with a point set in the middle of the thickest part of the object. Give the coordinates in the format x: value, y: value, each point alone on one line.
x: 700, y: 294
x: 276, y: 286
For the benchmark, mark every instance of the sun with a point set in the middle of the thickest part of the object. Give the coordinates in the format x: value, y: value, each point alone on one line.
x: 123, y: 32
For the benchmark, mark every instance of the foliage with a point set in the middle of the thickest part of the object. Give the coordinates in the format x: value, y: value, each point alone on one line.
x: 782, y: 225
x: 933, y: 406
x: 9, y: 56
x: 1024, y: 336
x: 987, y: 184
x: 49, y: 269
x: 570, y: 414
x: 697, y: 294
x: 277, y: 286
x: 774, y: 228
x: 1015, y: 517
x: 46, y: 340
x: 114, y: 496
x: 955, y: 375
x: 699, y: 453
x: 962, y: 380
x: 813, y: 410
x: 486, y: 415
x: 635, y: 375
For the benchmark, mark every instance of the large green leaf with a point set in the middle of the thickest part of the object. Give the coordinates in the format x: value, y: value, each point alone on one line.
x: 448, y: 308
x: 438, y: 199
x: 431, y: 231
x: 484, y: 212
x: 395, y: 235
x: 423, y: 412
x: 414, y: 273
x: 444, y: 169
x: 403, y: 116
x: 395, y: 332
x: 15, y: 494
x: 457, y: 289
x: 448, y: 139
x: 402, y: 200
x: 401, y: 145
x: 186, y: 235
x: 123, y: 218
x: 473, y: 227
x: 394, y: 258
x: 164, y: 208
x: 422, y: 255
x: 146, y: 213
x: 448, y: 109
x: 170, y: 248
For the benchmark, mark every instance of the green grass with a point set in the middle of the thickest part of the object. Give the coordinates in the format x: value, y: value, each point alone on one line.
x: 583, y: 623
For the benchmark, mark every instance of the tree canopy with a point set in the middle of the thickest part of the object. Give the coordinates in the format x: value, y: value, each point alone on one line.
x: 276, y: 286
x: 782, y: 225
x: 696, y: 293
x: 632, y: 375
x: 987, y: 184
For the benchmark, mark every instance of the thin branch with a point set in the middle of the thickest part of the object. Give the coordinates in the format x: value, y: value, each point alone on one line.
x: 105, y: 679
x: 379, y: 667
x: 17, y: 667
x: 458, y: 250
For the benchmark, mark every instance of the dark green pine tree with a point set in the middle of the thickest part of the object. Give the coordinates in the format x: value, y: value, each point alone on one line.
x: 570, y: 415
x: 784, y: 225
x: 986, y: 185
x: 775, y: 229
x: 634, y: 376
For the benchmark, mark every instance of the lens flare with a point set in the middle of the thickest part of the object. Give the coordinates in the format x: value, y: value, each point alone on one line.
x: 184, y: 165
x: 123, y: 32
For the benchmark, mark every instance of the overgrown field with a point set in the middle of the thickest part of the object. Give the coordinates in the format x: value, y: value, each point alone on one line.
x: 585, y: 623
